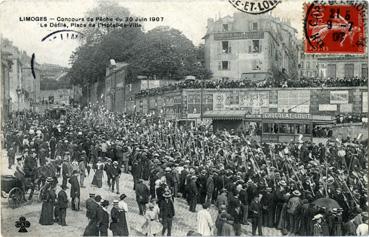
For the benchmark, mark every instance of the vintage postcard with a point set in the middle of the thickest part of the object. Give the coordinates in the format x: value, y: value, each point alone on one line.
x: 184, y: 118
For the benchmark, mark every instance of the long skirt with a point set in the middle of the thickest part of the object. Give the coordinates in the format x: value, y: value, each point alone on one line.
x: 97, y: 179
x: 47, y: 214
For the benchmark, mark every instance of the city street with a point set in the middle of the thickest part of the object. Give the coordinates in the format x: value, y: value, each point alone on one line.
x: 184, y: 220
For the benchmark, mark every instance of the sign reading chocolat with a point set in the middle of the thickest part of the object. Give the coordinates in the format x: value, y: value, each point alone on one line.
x: 254, y: 6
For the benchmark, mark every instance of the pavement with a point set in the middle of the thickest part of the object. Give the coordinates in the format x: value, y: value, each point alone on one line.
x: 183, y: 221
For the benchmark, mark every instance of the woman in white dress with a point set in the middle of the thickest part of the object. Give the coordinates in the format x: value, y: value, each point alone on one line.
x: 152, y: 226
x: 204, y: 221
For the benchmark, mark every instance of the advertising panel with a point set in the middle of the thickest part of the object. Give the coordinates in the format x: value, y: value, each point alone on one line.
x: 294, y: 101
x: 327, y: 107
x: 339, y: 97
x: 365, y: 102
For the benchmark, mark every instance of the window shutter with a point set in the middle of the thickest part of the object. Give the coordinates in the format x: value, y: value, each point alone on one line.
x: 220, y: 65
x: 260, y: 45
x: 229, y: 65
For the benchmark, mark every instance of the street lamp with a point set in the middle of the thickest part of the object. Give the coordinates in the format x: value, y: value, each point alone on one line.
x: 19, y: 92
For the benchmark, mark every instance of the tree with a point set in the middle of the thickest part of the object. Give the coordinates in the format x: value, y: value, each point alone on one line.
x: 90, y: 60
x: 104, y: 9
x: 165, y: 53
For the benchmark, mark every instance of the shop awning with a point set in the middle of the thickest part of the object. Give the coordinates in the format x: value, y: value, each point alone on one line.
x: 225, y: 115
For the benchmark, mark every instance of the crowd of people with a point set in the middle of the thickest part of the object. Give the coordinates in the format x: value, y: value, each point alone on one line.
x: 245, y: 83
x: 299, y: 188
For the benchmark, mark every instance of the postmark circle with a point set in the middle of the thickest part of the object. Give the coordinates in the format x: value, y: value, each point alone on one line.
x: 254, y: 6
x: 334, y: 27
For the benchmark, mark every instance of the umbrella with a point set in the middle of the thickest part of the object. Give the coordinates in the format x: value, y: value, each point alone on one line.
x: 327, y: 203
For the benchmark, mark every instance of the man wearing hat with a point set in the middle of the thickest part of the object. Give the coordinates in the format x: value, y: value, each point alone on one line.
x: 90, y: 206
x: 103, y: 218
x: 193, y: 194
x: 82, y: 168
x: 268, y: 206
x: 62, y: 205
x: 294, y: 203
x: 256, y: 215
x: 66, y: 169
x: 118, y: 225
x: 92, y: 229
x: 317, y: 229
x: 167, y: 213
x: 75, y: 190
x: 142, y: 196
x: 115, y: 173
x: 108, y: 167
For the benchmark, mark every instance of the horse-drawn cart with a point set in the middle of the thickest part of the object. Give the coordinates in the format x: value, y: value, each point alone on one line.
x: 12, y: 188
x: 15, y: 191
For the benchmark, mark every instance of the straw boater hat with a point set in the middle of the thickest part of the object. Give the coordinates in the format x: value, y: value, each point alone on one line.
x: 167, y: 194
x: 49, y: 180
x: 317, y: 217
x: 296, y: 193
x: 282, y: 183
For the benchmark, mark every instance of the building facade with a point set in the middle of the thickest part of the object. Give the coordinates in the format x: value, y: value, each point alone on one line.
x: 255, y: 47
x: 115, y: 83
x: 21, y: 89
x: 193, y: 103
x: 347, y: 66
x: 331, y: 66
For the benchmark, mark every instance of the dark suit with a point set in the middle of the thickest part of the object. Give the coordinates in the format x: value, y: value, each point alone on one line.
x: 91, y: 206
x: 142, y: 196
x: 92, y: 209
x: 62, y: 205
x: 65, y: 173
x: 102, y: 221
x: 244, y: 204
x: 255, y: 209
x: 75, y: 192
x: 193, y: 194
x: 237, y: 215
x: 166, y: 214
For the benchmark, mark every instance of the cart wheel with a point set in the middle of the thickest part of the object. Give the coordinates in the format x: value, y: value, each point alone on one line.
x: 15, y: 198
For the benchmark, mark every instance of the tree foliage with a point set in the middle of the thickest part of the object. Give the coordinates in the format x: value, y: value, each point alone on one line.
x: 162, y: 53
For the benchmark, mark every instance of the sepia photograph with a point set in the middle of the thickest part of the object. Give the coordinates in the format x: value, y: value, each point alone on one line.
x: 184, y: 118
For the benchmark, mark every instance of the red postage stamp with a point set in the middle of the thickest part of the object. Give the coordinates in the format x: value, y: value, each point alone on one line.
x: 335, y: 28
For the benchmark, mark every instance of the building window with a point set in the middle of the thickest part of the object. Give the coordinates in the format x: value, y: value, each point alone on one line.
x: 225, y: 27
x: 364, y: 70
x: 225, y: 47
x: 224, y: 65
x: 307, y: 65
x: 254, y: 26
x: 349, y: 70
x: 331, y: 70
x: 256, y: 46
x: 256, y: 65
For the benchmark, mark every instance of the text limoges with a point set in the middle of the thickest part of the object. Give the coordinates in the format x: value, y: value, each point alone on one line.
x: 32, y: 18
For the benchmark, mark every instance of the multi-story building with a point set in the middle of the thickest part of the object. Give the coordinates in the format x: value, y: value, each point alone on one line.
x: 6, y: 64
x: 331, y: 66
x: 343, y: 66
x: 254, y: 47
x: 21, y: 89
